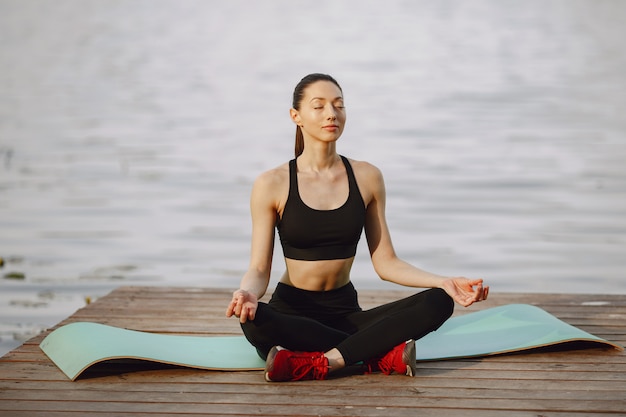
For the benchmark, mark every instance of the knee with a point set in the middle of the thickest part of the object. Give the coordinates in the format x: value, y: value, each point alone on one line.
x: 441, y: 304
x: 257, y: 338
x: 257, y: 332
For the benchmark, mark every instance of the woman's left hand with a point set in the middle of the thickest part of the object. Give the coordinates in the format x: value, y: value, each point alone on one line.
x: 465, y: 291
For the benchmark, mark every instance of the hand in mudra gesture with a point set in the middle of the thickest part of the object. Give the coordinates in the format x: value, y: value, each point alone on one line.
x: 465, y: 291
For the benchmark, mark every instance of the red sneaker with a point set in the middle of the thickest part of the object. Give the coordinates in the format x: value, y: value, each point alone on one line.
x: 400, y: 359
x: 285, y: 365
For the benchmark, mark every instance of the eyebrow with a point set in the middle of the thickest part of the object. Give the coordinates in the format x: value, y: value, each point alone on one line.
x: 322, y: 98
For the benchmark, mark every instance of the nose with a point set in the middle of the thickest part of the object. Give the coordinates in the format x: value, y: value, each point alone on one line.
x: 332, y: 114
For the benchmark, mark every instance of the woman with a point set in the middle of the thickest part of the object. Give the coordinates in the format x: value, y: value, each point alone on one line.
x: 320, y: 202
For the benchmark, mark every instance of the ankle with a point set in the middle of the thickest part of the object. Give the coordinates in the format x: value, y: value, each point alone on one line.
x: 335, y: 359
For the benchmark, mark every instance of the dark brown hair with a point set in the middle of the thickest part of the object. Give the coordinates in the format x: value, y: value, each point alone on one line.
x: 298, y: 95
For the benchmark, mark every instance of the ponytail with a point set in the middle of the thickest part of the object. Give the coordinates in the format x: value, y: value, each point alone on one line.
x: 299, y: 142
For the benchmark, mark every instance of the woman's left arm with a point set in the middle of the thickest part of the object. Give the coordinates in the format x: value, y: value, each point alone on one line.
x: 384, y: 259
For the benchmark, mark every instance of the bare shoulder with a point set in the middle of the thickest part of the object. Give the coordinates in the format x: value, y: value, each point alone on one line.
x: 366, y: 172
x: 370, y: 180
x: 273, y: 184
x: 273, y: 177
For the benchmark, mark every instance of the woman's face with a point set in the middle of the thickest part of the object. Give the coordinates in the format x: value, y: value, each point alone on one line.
x: 322, y: 115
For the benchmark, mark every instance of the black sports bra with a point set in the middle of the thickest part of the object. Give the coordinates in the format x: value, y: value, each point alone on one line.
x: 312, y: 235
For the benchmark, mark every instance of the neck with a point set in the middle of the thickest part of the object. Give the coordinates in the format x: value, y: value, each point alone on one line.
x: 319, y: 156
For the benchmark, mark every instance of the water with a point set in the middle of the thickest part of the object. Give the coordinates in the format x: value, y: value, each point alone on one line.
x: 131, y: 131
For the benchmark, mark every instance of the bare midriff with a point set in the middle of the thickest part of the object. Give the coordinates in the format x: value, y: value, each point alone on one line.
x: 323, y: 275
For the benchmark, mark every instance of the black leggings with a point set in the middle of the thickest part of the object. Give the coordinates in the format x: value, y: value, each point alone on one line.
x: 313, y: 321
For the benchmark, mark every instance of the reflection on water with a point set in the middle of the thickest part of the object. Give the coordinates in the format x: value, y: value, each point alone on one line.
x: 130, y: 133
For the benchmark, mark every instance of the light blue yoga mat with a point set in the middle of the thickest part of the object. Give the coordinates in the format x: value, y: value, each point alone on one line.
x: 511, y: 328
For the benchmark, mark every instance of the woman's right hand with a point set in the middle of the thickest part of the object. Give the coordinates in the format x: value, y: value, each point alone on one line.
x: 243, y: 305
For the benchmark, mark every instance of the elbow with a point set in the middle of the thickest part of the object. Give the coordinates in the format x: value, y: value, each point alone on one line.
x: 383, y: 266
x: 385, y: 278
x: 381, y: 272
x: 384, y: 258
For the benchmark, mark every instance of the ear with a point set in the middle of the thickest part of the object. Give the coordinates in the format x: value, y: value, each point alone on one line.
x: 295, y: 116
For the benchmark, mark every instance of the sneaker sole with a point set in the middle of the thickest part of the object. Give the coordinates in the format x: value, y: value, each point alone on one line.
x: 269, y: 363
x: 408, y: 357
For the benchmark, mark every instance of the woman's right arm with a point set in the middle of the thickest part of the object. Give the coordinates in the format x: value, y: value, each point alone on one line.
x: 263, y: 208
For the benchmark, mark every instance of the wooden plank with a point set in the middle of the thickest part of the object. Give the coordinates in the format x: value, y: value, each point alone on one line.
x: 290, y: 404
x: 111, y: 408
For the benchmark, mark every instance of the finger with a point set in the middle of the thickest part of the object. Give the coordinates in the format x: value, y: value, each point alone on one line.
x: 477, y: 281
x: 242, y: 317
x: 476, y: 293
x: 237, y: 305
x: 245, y: 314
x: 230, y: 310
x: 483, y: 294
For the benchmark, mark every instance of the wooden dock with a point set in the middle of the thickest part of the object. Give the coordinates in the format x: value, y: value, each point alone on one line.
x: 572, y: 382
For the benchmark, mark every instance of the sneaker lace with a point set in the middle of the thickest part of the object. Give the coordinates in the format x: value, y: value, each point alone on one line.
x: 386, y: 364
x: 392, y: 361
x: 309, y: 364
